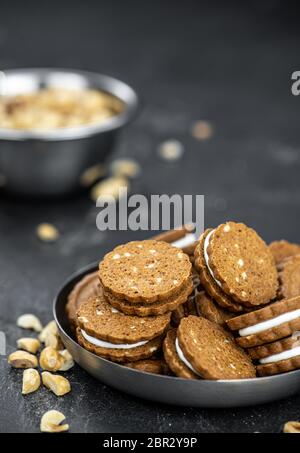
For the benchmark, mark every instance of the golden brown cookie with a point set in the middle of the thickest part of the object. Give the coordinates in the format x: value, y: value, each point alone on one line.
x: 273, y: 322
x: 242, y: 264
x: 279, y: 367
x: 101, y: 321
x: 87, y: 287
x: 211, y: 287
x: 273, y: 349
x: 289, y: 277
x: 153, y: 309
x: 122, y: 355
x: 207, y: 308
x: 211, y: 351
x: 145, y: 271
x: 154, y: 366
x: 173, y: 360
x: 283, y: 249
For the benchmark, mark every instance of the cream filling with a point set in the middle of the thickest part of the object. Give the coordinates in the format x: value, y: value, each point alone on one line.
x: 188, y: 239
x: 106, y: 344
x: 183, y: 358
x: 270, y: 323
x: 206, y: 259
x: 281, y: 356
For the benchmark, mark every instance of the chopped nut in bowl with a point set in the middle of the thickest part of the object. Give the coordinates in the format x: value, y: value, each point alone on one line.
x: 55, y: 124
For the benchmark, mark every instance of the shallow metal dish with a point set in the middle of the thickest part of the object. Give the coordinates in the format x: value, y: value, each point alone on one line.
x: 50, y: 162
x: 166, y: 389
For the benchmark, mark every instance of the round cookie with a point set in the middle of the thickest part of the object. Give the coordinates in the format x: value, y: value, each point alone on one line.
x: 88, y: 286
x: 241, y: 264
x: 208, y: 309
x: 211, y: 287
x: 154, y: 309
x: 211, y: 351
x: 121, y: 355
x: 173, y: 360
x: 266, y: 325
x: 103, y: 322
x: 283, y: 249
x: 145, y: 271
x: 289, y: 277
x: 154, y: 366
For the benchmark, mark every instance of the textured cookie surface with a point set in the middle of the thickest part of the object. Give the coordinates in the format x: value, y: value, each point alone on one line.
x: 266, y: 350
x: 279, y: 367
x: 122, y: 355
x: 207, y: 281
x: 243, y: 264
x: 145, y: 271
x: 211, y: 350
x: 207, y: 308
x: 283, y: 249
x: 289, y: 277
x: 153, y: 309
x: 154, y: 366
x: 87, y: 287
x: 173, y: 360
x: 99, y: 320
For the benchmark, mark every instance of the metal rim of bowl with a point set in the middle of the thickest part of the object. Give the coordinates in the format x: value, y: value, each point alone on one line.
x: 240, y: 382
x: 82, y: 131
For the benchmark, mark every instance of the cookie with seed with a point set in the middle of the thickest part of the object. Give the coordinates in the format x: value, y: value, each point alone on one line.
x: 153, y: 309
x: 144, y: 272
x: 211, y: 352
x: 111, y: 334
x: 178, y: 367
x: 239, y: 264
x: 154, y: 366
x: 207, y: 308
x: 88, y: 286
x: 289, y: 277
x: 276, y: 321
x: 283, y: 249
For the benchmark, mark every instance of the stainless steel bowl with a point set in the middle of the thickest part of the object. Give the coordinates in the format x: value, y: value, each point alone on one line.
x: 168, y: 389
x: 50, y: 162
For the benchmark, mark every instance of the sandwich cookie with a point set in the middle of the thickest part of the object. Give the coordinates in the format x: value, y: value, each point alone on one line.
x: 266, y: 325
x: 207, y: 308
x: 189, y: 307
x: 236, y: 267
x: 283, y: 249
x: 146, y: 277
x: 108, y: 333
x: 278, y: 357
x: 209, y: 351
x: 88, y: 286
x: 289, y: 277
x: 173, y: 360
x: 154, y: 366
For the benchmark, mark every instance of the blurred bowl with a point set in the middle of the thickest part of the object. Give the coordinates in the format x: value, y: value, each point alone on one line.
x: 49, y: 162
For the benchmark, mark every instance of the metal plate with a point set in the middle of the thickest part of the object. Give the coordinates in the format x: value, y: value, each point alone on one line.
x: 167, y: 389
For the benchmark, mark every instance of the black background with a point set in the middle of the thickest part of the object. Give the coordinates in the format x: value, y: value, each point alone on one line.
x: 227, y: 62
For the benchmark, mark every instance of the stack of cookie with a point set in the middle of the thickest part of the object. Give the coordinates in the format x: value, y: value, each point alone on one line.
x: 141, y: 283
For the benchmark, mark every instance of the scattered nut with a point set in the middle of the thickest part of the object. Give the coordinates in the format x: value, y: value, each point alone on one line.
x: 92, y: 174
x: 50, y: 359
x: 47, y: 232
x: 51, y: 422
x: 292, y: 427
x: 68, y: 360
x: 51, y: 327
x: 202, y: 130
x: 54, y: 341
x: 109, y: 187
x: 128, y: 168
x: 31, y: 381
x: 22, y: 359
x: 29, y: 321
x: 59, y: 385
x: 29, y: 344
x: 171, y: 150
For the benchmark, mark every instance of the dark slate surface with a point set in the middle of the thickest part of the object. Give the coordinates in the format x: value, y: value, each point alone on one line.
x: 228, y: 63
